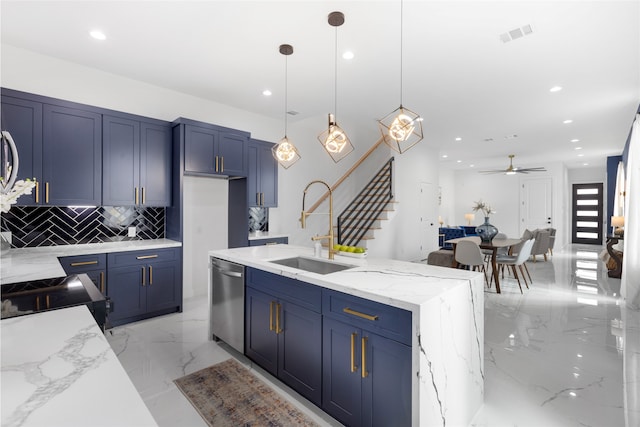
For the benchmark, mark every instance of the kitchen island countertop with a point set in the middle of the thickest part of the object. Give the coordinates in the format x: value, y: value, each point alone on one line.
x: 59, y: 370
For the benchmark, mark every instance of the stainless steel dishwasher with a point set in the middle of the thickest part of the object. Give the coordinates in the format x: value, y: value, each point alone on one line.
x: 226, y: 303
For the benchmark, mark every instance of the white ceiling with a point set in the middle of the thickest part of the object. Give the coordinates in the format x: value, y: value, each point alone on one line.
x: 458, y: 74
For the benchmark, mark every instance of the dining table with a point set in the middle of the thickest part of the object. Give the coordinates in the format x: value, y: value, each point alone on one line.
x: 493, y: 246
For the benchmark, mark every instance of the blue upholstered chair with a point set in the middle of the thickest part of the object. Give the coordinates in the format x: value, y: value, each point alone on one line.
x: 447, y: 233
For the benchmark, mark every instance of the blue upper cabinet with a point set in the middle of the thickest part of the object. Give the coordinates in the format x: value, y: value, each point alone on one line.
x: 211, y: 150
x: 72, y: 156
x: 262, y: 178
x: 155, y: 164
x: 136, y: 162
x: 23, y: 119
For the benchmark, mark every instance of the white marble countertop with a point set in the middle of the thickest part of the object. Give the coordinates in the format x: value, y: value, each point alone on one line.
x: 23, y: 264
x: 256, y: 235
x: 59, y: 370
x: 397, y: 283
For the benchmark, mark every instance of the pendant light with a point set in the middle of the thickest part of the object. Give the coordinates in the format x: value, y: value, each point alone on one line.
x: 284, y: 151
x: 402, y: 128
x: 334, y: 139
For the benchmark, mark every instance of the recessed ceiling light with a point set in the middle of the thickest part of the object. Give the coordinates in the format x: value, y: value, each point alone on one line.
x: 348, y: 55
x: 578, y: 148
x: 444, y: 156
x: 458, y: 139
x: 555, y: 89
x: 471, y: 166
x: 585, y: 164
x: 266, y: 92
x: 458, y: 161
x: 98, y: 35
x: 575, y: 140
x: 580, y: 155
x: 568, y: 121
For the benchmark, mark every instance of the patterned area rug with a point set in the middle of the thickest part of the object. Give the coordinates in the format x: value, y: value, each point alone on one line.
x: 227, y: 394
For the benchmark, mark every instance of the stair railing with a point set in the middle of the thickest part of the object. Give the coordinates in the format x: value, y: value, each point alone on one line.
x: 356, y: 219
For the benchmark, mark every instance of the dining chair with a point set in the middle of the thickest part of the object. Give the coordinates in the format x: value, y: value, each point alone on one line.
x: 518, y: 261
x: 468, y: 253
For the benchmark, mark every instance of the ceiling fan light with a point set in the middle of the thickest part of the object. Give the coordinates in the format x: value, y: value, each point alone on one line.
x: 285, y: 153
x: 401, y: 129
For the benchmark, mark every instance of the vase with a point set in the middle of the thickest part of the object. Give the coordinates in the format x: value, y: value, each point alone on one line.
x: 486, y: 231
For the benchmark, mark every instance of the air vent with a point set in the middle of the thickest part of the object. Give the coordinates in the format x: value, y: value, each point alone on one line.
x: 516, y: 33
x: 292, y: 113
x: 513, y: 136
x: 488, y: 140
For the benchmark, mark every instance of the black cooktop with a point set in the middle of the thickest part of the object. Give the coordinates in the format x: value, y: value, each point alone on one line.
x: 48, y: 294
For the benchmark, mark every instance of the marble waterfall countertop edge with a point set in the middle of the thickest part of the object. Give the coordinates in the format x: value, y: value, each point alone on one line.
x: 59, y: 369
x: 23, y: 264
x: 400, y: 284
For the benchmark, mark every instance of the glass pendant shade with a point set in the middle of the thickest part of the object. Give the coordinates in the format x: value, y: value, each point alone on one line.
x: 335, y: 141
x: 285, y: 153
x: 401, y: 129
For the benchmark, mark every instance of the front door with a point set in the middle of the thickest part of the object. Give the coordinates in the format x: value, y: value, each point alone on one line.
x: 586, y: 214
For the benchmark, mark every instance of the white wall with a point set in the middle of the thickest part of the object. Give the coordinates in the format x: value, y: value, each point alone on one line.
x: 447, y: 190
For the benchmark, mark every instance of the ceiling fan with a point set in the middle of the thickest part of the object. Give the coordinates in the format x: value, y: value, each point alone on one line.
x: 514, y: 170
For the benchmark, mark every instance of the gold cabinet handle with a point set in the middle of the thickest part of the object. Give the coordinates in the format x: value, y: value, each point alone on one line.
x: 278, y: 328
x: 150, y: 275
x: 77, y: 264
x: 147, y: 256
x: 221, y: 164
x: 364, y: 372
x: 359, y: 314
x: 216, y: 163
x: 37, y: 303
x: 135, y: 191
x: 37, y: 191
x: 144, y: 196
x: 102, y: 282
x: 46, y: 192
x: 271, y: 315
x: 261, y: 199
x: 258, y: 199
x: 353, y: 352
x: 48, y: 300
x: 143, y: 271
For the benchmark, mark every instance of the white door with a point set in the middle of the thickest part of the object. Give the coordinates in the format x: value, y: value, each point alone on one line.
x: 428, y: 218
x: 535, y: 208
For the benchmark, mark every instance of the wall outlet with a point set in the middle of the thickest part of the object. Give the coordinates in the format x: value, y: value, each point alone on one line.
x: 132, y: 232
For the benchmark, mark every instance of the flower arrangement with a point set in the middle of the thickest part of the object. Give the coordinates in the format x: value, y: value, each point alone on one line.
x: 19, y: 188
x: 482, y: 206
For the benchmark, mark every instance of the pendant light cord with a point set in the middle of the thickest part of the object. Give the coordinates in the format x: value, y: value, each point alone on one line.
x: 286, y: 68
x: 335, y: 79
x: 401, y: 40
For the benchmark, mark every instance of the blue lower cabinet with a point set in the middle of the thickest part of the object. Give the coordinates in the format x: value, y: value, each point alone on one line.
x: 284, y: 337
x: 143, y: 284
x: 366, y: 369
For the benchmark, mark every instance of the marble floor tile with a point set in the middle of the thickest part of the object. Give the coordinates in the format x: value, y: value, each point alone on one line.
x: 554, y: 354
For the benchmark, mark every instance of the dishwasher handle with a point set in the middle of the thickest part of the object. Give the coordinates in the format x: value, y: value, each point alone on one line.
x: 230, y: 273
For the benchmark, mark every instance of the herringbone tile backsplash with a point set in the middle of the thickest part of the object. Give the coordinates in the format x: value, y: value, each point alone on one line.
x: 51, y: 226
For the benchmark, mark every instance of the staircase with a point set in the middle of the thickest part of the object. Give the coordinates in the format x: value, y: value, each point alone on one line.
x: 371, y: 206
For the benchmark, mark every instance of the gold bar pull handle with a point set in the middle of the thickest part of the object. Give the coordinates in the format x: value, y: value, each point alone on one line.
x: 359, y: 314
x: 216, y: 163
x: 353, y: 352
x: 46, y: 192
x: 143, y: 282
x: 48, y: 300
x: 278, y: 328
x: 37, y: 192
x: 364, y: 372
x: 135, y: 191
x: 146, y: 256
x: 102, y: 282
x: 38, y: 303
x: 258, y: 199
x: 261, y: 199
x: 271, y: 315
x: 77, y: 264
x: 221, y: 164
x: 150, y: 275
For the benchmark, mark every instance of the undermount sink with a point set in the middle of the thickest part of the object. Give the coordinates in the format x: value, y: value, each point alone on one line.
x: 312, y: 265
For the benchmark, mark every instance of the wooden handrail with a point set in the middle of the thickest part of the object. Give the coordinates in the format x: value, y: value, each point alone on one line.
x: 346, y: 175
